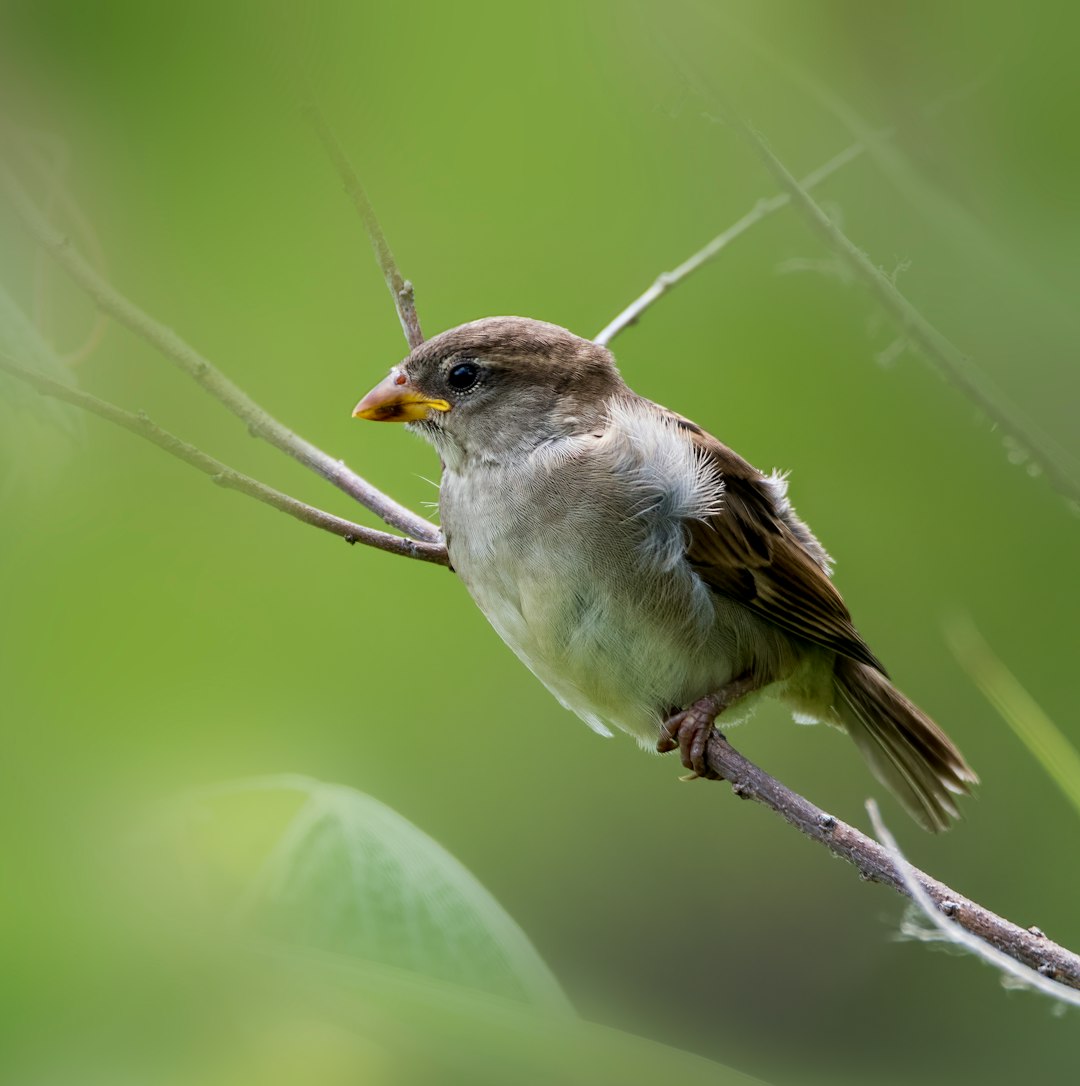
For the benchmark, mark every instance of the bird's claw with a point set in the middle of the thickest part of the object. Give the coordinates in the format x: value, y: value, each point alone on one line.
x: 689, y: 731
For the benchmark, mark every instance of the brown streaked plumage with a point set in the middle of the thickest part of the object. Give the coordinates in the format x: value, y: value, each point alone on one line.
x: 646, y: 573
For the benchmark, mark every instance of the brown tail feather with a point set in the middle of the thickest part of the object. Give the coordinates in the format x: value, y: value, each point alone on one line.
x: 906, y: 750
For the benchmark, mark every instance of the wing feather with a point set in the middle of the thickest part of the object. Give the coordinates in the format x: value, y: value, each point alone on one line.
x: 755, y: 552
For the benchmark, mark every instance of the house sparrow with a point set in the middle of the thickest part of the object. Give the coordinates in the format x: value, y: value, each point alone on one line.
x: 645, y: 573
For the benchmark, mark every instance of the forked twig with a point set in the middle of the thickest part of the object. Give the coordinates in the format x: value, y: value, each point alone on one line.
x: 951, y: 931
x: 946, y: 358
x: 954, y: 366
x: 761, y: 210
x: 226, y: 476
x: 259, y: 421
x: 1029, y: 946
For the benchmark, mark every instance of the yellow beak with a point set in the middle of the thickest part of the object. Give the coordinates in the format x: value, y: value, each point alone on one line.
x: 395, y: 400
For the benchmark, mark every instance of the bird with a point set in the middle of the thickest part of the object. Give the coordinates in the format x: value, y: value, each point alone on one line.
x: 649, y: 576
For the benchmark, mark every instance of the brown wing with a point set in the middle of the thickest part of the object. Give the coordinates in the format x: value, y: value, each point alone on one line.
x: 750, y: 553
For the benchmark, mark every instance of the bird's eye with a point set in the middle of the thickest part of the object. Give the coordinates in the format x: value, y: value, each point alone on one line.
x: 463, y: 376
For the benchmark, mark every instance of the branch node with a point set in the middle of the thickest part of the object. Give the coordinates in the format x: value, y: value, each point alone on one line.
x: 950, y: 908
x: 741, y: 789
x: 1037, y: 932
x: 1047, y: 970
x: 350, y: 539
x: 827, y: 822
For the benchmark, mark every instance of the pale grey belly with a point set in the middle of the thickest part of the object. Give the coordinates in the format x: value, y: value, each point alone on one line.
x: 614, y: 642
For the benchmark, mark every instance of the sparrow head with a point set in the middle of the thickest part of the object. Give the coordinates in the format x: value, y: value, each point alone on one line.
x: 496, y: 386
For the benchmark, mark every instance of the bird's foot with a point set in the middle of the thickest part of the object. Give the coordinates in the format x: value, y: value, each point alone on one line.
x: 689, y: 730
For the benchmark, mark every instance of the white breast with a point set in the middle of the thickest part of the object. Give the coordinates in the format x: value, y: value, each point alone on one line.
x: 576, y: 559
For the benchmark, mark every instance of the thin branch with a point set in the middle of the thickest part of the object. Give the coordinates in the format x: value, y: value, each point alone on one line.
x: 868, y: 140
x: 952, y: 932
x: 874, y: 863
x: 1054, y: 966
x: 761, y: 210
x: 182, y: 354
x: 950, y: 362
x: 401, y: 290
x: 227, y: 477
x: 949, y: 215
x: 51, y: 164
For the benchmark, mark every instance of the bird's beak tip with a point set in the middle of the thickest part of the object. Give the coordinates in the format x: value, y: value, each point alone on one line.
x: 392, y: 401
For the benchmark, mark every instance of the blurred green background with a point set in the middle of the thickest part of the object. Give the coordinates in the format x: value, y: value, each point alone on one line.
x: 550, y: 160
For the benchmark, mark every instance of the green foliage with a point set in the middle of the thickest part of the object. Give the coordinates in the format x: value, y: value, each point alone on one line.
x: 328, y: 868
x: 1045, y: 741
x: 550, y: 160
x: 367, y: 949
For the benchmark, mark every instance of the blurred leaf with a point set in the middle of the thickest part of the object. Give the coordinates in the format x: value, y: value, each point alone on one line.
x: 326, y: 867
x: 151, y: 635
x: 1021, y: 712
x: 438, y: 1033
x: 378, y: 957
